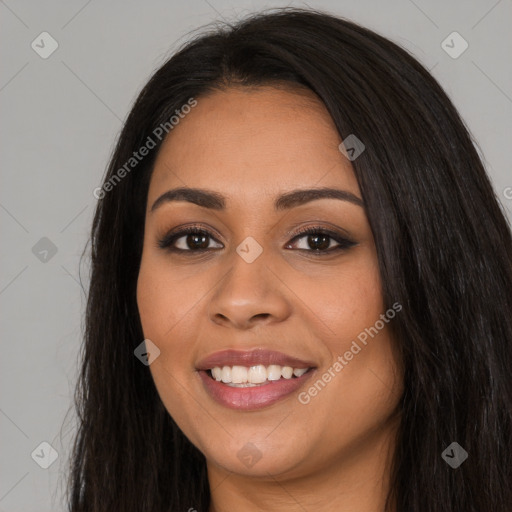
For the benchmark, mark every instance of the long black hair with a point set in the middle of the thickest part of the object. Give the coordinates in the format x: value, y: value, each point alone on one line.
x: 444, y: 249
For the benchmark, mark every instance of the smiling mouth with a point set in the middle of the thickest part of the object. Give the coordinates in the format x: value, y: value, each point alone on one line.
x: 252, y: 379
x: 251, y: 376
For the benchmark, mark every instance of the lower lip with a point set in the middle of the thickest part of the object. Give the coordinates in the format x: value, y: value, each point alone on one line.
x: 252, y: 398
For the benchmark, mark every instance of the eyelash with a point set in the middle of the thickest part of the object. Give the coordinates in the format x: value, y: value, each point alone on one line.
x: 343, y: 242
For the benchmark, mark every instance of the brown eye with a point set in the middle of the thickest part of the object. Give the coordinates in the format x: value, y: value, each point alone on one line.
x: 320, y: 241
x: 195, y: 241
x: 188, y: 240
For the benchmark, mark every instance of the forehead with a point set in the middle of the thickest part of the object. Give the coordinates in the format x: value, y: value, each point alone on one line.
x: 251, y: 143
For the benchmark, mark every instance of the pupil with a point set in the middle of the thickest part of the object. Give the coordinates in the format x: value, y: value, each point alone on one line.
x: 321, y: 242
x: 197, y: 241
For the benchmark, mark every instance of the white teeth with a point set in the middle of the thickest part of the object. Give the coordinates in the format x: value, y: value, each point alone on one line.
x: 226, y: 374
x: 274, y: 372
x: 287, y: 372
x: 257, y: 374
x: 241, y: 376
x: 217, y: 373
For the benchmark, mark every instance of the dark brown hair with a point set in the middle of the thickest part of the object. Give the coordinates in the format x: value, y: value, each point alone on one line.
x: 444, y: 250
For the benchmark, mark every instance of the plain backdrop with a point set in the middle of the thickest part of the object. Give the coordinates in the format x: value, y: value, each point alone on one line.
x: 60, y: 116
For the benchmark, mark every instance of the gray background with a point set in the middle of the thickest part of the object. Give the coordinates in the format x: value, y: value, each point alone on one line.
x: 59, y: 120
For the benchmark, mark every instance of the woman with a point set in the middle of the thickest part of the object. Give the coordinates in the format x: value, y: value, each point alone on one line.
x: 301, y: 287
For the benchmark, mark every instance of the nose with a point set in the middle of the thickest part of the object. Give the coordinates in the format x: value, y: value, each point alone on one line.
x: 248, y: 295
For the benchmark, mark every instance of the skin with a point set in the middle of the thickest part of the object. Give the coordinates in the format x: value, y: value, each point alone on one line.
x: 251, y: 145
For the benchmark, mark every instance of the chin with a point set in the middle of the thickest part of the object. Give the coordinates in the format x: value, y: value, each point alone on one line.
x: 259, y: 457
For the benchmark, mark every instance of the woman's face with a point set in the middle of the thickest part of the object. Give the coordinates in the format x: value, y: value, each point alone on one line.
x: 256, y: 294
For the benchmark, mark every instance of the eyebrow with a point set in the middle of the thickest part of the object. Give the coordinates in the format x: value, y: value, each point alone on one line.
x: 216, y: 201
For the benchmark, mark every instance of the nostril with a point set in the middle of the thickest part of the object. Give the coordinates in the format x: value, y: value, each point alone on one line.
x: 262, y: 315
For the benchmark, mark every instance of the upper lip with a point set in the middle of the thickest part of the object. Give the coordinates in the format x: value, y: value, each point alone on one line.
x: 252, y: 357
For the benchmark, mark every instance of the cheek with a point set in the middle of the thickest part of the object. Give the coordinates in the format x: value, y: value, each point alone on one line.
x: 163, y: 299
x: 163, y: 304
x: 165, y: 309
x: 344, y: 301
x: 367, y: 388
